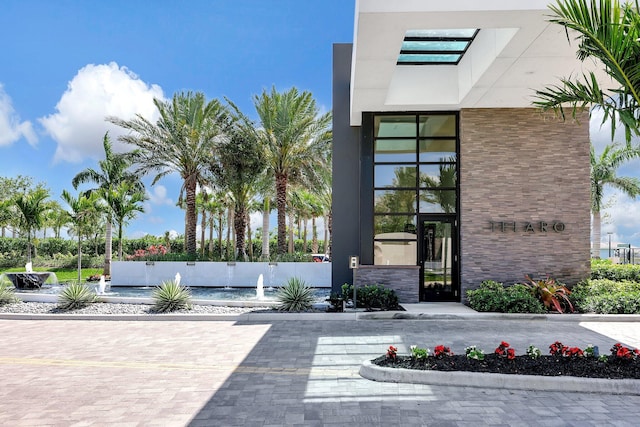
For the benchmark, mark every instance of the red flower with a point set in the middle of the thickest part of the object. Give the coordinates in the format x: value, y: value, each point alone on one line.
x: 511, y: 354
x: 504, y: 350
x: 392, y: 352
x: 441, y: 350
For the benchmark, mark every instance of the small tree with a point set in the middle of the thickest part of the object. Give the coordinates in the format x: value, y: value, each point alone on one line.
x: 32, y: 208
x: 81, y: 210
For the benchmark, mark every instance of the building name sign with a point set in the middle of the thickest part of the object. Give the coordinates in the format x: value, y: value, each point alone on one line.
x: 527, y: 227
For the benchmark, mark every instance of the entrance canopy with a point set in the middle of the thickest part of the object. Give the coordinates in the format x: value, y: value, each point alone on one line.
x: 412, y: 55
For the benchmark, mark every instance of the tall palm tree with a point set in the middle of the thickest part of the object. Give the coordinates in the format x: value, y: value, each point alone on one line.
x: 237, y: 167
x: 182, y: 140
x: 603, y: 172
x: 295, y: 138
x: 32, y: 208
x: 112, y: 171
x: 124, y: 202
x: 81, y: 211
x: 609, y: 32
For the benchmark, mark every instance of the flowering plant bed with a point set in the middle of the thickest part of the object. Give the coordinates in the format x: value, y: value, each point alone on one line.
x: 621, y: 363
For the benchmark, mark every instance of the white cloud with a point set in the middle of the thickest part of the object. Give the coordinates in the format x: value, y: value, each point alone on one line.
x: 158, y: 196
x: 11, y: 128
x: 97, y: 91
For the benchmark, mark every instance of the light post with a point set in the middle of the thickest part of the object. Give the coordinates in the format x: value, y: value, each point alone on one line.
x: 609, y: 233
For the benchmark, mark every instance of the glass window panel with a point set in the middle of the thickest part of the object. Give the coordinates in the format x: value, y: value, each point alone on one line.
x: 390, y: 252
x: 434, y: 45
x: 437, y: 150
x: 437, y: 201
x: 443, y: 175
x: 394, y: 226
x: 443, y: 33
x: 395, y: 201
x: 394, y: 176
x: 428, y: 58
x: 390, y: 126
x: 395, y: 150
x: 437, y: 125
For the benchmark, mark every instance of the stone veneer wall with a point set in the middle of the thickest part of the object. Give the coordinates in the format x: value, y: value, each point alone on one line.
x: 403, y: 279
x: 520, y: 165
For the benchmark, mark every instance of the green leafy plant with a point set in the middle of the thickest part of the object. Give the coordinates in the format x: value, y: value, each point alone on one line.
x: 533, y: 352
x: 76, y: 295
x: 295, y: 296
x: 419, y: 353
x: 474, y: 352
x: 607, y: 296
x: 171, y: 296
x: 335, y: 302
x: 591, y: 351
x: 7, y: 291
x: 554, y: 295
x: 496, y: 297
x: 371, y: 296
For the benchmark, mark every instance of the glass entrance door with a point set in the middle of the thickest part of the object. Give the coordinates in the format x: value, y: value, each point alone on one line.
x: 438, y: 258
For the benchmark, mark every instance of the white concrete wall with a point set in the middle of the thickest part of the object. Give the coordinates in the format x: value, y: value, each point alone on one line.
x: 219, y: 274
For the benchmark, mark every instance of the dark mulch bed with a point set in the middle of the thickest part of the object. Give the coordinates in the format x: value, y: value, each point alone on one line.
x: 613, y: 367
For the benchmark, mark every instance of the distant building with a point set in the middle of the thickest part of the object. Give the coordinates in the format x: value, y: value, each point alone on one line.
x: 443, y: 173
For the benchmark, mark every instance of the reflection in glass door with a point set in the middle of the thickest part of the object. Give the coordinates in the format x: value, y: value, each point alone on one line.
x: 438, y: 258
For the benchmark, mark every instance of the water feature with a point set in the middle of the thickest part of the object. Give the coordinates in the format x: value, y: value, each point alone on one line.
x: 102, y: 285
x: 30, y: 279
x: 177, y: 278
x: 205, y: 293
x: 260, y: 288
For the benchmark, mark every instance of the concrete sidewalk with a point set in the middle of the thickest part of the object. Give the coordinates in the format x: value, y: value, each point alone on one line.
x: 279, y: 372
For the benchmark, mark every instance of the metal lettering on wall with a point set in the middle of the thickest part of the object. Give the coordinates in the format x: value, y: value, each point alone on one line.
x: 528, y: 227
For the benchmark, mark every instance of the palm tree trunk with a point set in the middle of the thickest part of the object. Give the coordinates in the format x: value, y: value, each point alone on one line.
x: 304, y: 235
x: 203, y: 226
x: 229, y: 226
x: 220, y: 220
x: 190, y: 185
x: 239, y: 226
x: 291, y: 227
x: 108, y: 237
x: 314, y: 236
x: 79, y: 257
x: 595, y: 247
x: 119, y: 241
x: 265, y: 230
x: 326, y: 235
x: 211, y: 221
x: 281, y: 204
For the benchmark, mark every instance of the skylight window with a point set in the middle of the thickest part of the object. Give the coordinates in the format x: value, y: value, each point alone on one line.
x: 435, y: 47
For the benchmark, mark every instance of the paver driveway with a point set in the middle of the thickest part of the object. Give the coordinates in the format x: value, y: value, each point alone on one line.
x: 273, y: 373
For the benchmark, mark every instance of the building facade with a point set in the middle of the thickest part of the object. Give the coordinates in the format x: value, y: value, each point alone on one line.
x: 443, y: 173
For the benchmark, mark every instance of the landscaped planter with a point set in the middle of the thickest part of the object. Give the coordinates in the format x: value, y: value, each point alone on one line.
x: 219, y: 274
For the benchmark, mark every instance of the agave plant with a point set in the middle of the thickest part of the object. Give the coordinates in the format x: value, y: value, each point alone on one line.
x: 554, y: 295
x: 171, y: 296
x: 7, y: 291
x: 295, y: 296
x: 76, y: 295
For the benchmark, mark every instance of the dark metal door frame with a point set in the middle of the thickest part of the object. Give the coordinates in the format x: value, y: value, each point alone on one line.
x: 425, y: 250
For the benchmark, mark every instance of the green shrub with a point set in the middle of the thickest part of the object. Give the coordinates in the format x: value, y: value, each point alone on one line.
x: 554, y: 295
x: 7, y: 291
x: 371, y: 296
x: 171, y: 296
x: 605, y: 269
x: 294, y: 296
x: 607, y: 296
x: 76, y: 295
x: 494, y: 296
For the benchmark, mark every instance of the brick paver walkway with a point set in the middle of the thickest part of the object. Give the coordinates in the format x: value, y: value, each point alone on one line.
x: 223, y: 373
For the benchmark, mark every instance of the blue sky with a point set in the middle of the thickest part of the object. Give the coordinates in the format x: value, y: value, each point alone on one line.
x: 67, y: 64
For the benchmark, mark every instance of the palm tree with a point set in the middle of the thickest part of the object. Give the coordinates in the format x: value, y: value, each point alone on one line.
x: 608, y: 32
x: 295, y: 138
x: 603, y: 172
x: 124, y: 202
x: 182, y: 140
x: 81, y: 211
x: 237, y: 168
x: 113, y: 170
x: 32, y: 208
